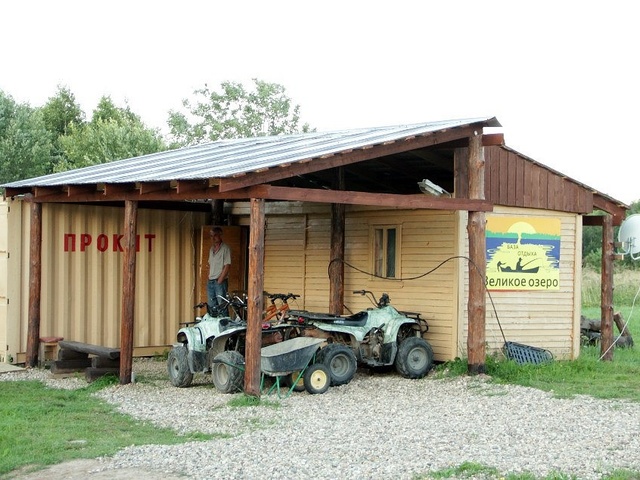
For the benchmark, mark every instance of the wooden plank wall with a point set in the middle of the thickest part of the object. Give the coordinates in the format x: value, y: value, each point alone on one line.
x: 546, y: 319
x: 297, y: 255
x: 515, y: 181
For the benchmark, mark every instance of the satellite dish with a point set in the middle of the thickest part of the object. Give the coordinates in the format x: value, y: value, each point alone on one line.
x: 629, y: 236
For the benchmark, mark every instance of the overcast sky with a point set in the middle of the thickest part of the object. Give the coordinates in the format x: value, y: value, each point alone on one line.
x: 561, y: 76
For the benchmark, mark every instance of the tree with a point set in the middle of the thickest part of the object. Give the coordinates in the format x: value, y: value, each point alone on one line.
x: 61, y: 111
x: 25, y: 144
x: 235, y: 113
x: 592, y: 244
x: 112, y: 134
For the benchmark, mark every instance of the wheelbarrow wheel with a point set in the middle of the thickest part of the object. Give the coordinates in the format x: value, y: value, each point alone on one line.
x: 178, y: 367
x: 317, y: 378
x: 291, y: 378
x: 227, y: 371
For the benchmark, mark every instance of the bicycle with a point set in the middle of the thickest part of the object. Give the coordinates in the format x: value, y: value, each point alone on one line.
x: 276, y: 313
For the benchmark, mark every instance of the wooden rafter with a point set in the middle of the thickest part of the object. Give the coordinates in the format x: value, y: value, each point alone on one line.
x: 341, y: 159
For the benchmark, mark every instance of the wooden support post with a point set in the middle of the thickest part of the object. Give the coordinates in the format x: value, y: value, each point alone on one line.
x: 128, y: 290
x: 336, y: 255
x: 606, y: 303
x: 461, y: 173
x: 35, y: 283
x: 217, y: 212
x: 476, y: 307
x: 255, y: 300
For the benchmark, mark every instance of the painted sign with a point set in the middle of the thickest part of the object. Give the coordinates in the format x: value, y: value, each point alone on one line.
x: 523, y: 253
x: 105, y: 242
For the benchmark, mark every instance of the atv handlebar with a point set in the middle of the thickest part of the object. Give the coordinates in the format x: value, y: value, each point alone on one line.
x: 383, y: 302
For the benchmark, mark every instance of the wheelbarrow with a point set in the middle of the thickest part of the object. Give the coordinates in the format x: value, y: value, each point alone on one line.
x: 290, y: 362
x: 294, y: 359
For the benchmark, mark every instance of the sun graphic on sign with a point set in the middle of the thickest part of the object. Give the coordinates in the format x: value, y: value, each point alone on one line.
x: 521, y: 227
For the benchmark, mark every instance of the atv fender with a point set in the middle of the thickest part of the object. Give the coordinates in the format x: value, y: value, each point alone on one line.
x: 197, y: 361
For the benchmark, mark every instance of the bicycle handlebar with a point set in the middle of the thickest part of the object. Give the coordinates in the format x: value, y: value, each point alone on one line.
x: 281, y: 296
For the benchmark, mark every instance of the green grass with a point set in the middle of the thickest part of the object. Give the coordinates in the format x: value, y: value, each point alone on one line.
x: 587, y: 375
x: 43, y: 426
x: 475, y: 470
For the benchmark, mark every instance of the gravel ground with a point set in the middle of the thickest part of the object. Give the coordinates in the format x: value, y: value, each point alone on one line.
x: 377, y: 426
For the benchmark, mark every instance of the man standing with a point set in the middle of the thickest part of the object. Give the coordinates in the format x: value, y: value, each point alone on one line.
x: 219, y: 265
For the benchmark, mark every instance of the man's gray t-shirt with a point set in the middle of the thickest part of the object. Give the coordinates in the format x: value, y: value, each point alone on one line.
x: 217, y: 260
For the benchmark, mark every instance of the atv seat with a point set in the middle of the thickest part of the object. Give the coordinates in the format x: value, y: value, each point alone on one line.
x: 356, y: 320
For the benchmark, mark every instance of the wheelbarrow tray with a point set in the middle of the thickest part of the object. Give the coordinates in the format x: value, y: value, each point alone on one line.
x: 288, y: 356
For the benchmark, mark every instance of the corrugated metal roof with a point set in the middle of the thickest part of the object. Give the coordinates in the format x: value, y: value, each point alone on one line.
x: 226, y: 158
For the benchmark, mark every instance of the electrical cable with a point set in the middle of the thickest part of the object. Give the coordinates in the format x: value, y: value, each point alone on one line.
x: 477, y: 269
x: 624, y: 326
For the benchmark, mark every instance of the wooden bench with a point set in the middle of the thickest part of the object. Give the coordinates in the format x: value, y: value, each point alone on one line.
x: 74, y: 357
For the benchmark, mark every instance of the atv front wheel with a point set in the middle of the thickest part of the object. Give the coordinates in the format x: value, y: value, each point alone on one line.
x: 317, y: 378
x: 341, y: 362
x: 178, y: 367
x: 227, y: 371
x: 414, y: 358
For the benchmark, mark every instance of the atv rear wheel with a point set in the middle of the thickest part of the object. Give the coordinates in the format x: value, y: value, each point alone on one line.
x: 317, y: 378
x: 178, y: 367
x: 341, y: 362
x: 227, y: 371
x: 414, y: 358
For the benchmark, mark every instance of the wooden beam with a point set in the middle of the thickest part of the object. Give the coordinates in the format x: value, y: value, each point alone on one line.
x: 115, y: 195
x: 14, y: 192
x: 419, y: 200
x: 152, y: 187
x: 47, y: 191
x: 592, y: 220
x: 617, y: 211
x: 73, y: 190
x: 113, y: 189
x: 343, y: 158
x: 35, y: 283
x: 255, y: 300
x: 478, y: 262
x: 606, y: 302
x: 461, y: 172
x: 488, y: 140
x: 128, y: 290
x: 336, y: 255
x: 192, y: 186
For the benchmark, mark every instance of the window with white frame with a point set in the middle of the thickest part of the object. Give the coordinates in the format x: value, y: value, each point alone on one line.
x: 385, y: 250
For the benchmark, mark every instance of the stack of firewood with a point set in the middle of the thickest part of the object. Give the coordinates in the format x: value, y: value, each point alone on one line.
x: 590, y: 331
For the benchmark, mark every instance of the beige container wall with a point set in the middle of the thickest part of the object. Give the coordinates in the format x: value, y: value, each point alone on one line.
x: 14, y: 286
x: 297, y: 261
x: 545, y: 319
x: 82, y: 275
x: 4, y: 264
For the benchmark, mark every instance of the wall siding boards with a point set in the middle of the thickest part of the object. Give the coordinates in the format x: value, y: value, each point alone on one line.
x: 545, y: 319
x: 423, y: 246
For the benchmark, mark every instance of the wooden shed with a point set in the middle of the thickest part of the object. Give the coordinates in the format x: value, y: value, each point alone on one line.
x: 442, y: 216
